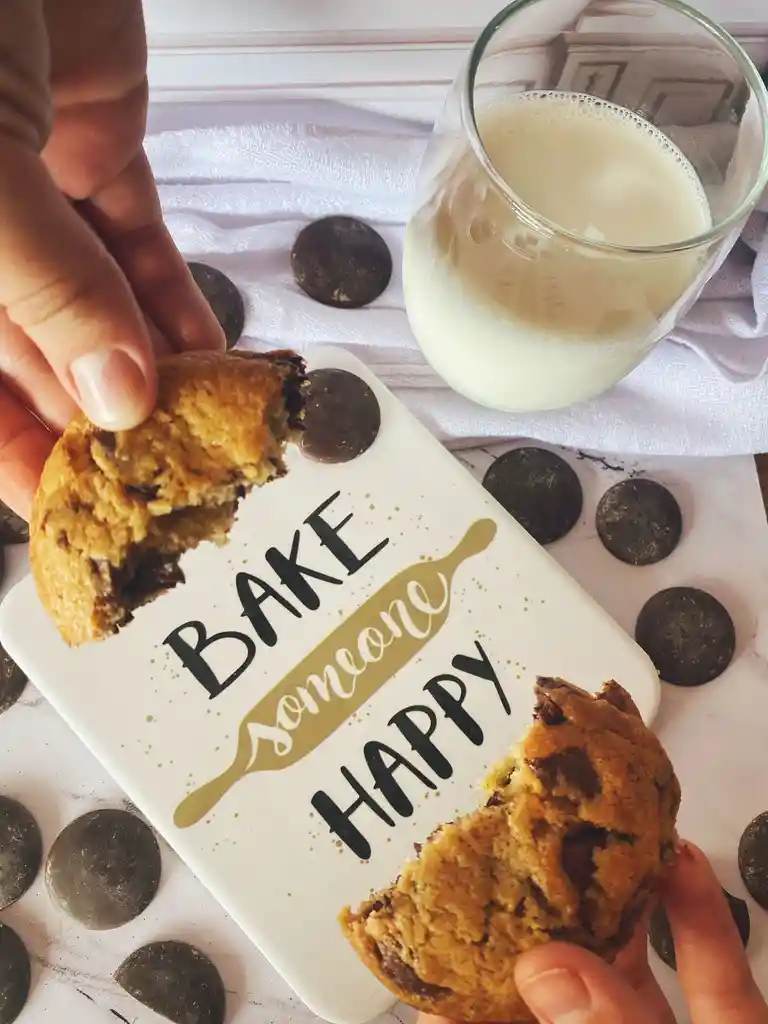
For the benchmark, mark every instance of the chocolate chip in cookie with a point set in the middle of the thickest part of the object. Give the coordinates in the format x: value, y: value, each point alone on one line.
x: 13, y: 529
x: 104, y: 869
x: 340, y: 261
x: 688, y: 635
x: 15, y: 975
x: 223, y: 297
x: 660, y: 932
x: 753, y: 859
x: 539, y: 489
x: 639, y: 521
x: 342, y: 416
x: 21, y: 851
x: 175, y: 980
x: 404, y: 976
x: 12, y: 681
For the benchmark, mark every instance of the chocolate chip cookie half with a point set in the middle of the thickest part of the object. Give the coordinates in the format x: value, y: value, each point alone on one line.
x: 577, y: 826
x: 115, y: 511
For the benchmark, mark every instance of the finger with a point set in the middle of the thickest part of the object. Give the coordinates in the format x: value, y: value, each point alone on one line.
x: 25, y: 444
x: 29, y: 376
x: 128, y: 218
x: 563, y: 983
x: 711, y: 962
x: 59, y: 285
x: 632, y: 964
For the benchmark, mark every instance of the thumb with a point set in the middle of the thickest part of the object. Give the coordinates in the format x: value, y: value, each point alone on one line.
x: 564, y: 984
x: 62, y: 288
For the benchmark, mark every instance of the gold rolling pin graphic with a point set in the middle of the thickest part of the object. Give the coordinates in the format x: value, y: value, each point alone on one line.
x: 329, y: 685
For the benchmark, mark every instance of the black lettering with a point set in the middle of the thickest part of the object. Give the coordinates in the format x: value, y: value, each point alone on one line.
x: 383, y: 775
x: 452, y: 706
x: 192, y: 658
x: 251, y: 604
x: 339, y: 821
x: 329, y: 538
x: 483, y: 669
x: 419, y: 737
x: 293, y: 574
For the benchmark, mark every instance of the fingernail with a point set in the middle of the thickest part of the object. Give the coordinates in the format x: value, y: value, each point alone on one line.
x: 557, y: 997
x: 112, y: 388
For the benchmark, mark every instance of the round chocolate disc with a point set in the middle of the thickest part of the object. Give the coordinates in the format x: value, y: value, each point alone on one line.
x: 104, y: 869
x: 175, y: 980
x: 753, y: 859
x: 21, y: 850
x: 340, y: 261
x: 13, y: 529
x: 660, y: 932
x: 12, y: 681
x: 224, y: 298
x: 539, y: 489
x: 342, y: 416
x: 639, y: 521
x: 688, y: 635
x: 15, y: 975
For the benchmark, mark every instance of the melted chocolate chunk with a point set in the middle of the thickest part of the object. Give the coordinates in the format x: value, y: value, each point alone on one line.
x: 570, y: 767
x: 104, y: 869
x: 15, y: 975
x: 175, y: 980
x: 660, y: 932
x: 578, y: 854
x: 224, y: 298
x: 342, y: 262
x: 547, y: 711
x: 12, y: 681
x: 13, y: 529
x: 405, y: 978
x: 342, y: 416
x: 21, y: 851
x: 639, y: 522
x: 539, y: 489
x: 145, y: 492
x: 688, y: 635
x: 753, y: 859
x: 618, y: 697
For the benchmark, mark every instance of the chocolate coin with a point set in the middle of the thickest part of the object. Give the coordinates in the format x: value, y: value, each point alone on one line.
x: 104, y: 869
x: 224, y: 298
x: 688, y: 635
x: 342, y: 416
x: 539, y: 489
x: 639, y: 521
x: 340, y: 261
x: 15, y: 975
x: 175, y: 980
x: 21, y: 850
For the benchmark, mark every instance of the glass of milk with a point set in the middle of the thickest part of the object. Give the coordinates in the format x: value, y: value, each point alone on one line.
x: 592, y: 167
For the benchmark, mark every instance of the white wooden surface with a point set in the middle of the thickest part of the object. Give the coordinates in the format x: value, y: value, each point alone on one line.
x: 397, y: 57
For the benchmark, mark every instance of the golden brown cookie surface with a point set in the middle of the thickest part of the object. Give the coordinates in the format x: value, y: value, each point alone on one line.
x: 114, y: 511
x: 577, y: 827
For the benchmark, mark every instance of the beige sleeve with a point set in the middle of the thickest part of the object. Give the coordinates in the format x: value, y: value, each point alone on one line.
x: 24, y: 95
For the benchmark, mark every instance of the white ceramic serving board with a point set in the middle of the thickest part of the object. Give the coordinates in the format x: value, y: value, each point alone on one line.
x: 450, y: 649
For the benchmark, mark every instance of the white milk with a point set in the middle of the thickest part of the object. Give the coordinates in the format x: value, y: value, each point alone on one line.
x: 518, y: 319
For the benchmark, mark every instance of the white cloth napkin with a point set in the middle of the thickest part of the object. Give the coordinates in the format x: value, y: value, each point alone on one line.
x: 238, y: 183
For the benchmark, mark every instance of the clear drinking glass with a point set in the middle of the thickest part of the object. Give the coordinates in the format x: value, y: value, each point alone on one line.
x: 593, y: 165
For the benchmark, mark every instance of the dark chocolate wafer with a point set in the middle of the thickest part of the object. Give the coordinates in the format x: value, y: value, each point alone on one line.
x: 342, y: 262
x: 175, y: 980
x: 21, y: 850
x: 15, y: 975
x: 660, y: 932
x: 639, y: 521
x: 539, y: 489
x: 13, y: 529
x: 342, y: 417
x: 224, y: 298
x: 104, y: 869
x: 753, y: 859
x: 12, y: 681
x: 688, y: 635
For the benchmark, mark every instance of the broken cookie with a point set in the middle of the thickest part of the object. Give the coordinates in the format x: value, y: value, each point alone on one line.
x: 115, y: 511
x: 578, y: 824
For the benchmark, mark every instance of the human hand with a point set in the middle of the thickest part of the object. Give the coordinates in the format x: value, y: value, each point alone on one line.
x: 563, y: 984
x: 91, y: 284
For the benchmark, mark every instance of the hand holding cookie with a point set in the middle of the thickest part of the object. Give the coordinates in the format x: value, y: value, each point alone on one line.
x: 562, y: 983
x: 89, y: 276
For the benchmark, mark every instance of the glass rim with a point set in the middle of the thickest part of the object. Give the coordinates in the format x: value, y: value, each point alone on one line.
x: 530, y: 214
